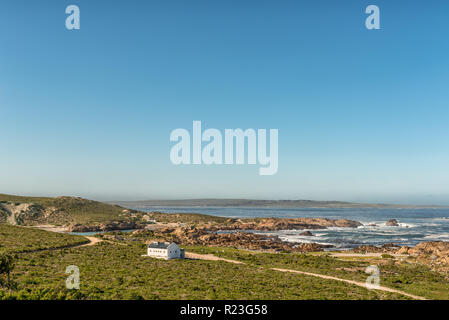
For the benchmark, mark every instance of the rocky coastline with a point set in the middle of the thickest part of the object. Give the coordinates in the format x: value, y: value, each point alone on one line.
x: 241, y: 240
x: 237, y: 233
x: 233, y: 233
x: 276, y: 224
x: 109, y: 226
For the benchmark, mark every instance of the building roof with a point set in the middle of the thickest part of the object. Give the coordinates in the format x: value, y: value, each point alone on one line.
x: 159, y: 245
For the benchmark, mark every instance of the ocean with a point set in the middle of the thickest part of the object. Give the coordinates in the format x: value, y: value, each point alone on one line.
x: 415, y: 225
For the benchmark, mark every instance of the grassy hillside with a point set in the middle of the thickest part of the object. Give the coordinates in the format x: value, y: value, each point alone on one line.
x: 113, y: 271
x: 70, y: 210
x: 407, y: 276
x: 61, y: 210
x: 24, y: 239
x: 117, y: 270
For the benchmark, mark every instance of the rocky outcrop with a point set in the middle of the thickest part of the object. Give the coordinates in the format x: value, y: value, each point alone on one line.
x: 392, y: 223
x: 242, y: 240
x: 433, y: 253
x: 306, y: 233
x: 274, y: 224
x: 234, y: 233
x: 369, y: 249
x: 109, y: 226
x: 311, y: 247
x: 20, y: 213
x: 386, y: 248
x: 83, y: 228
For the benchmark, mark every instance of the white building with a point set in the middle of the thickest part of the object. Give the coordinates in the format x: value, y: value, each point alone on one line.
x: 165, y: 250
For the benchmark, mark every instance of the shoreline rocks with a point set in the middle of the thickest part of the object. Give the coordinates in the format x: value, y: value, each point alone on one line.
x: 392, y: 223
x: 258, y: 224
x: 109, y: 226
x: 432, y: 253
x: 242, y: 240
x: 233, y: 233
x: 276, y: 224
x: 369, y: 248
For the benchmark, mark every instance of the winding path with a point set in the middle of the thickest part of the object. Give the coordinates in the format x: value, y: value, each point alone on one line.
x: 318, y: 275
x: 211, y: 257
x: 92, y: 241
x: 357, y: 283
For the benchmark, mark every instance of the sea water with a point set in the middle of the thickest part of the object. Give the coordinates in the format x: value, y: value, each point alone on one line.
x: 415, y: 225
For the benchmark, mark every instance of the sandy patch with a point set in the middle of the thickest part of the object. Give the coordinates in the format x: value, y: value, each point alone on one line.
x: 51, y: 228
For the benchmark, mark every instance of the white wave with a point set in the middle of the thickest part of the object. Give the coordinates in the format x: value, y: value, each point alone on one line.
x: 429, y: 225
x: 326, y: 243
x: 407, y: 225
x: 437, y: 236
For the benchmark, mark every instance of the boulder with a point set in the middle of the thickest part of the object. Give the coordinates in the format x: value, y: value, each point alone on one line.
x: 392, y: 223
x: 403, y: 250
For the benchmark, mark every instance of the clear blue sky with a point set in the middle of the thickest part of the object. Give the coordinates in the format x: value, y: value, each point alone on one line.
x: 362, y: 115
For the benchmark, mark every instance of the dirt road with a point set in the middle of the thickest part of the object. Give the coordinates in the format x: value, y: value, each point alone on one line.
x: 211, y: 257
x: 93, y: 241
x: 365, y: 255
x: 357, y: 283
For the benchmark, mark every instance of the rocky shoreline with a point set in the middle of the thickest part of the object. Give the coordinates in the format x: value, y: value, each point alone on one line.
x: 241, y: 240
x: 110, y: 226
x: 434, y: 254
x: 276, y: 224
x: 261, y: 224
x: 237, y: 233
x: 233, y: 233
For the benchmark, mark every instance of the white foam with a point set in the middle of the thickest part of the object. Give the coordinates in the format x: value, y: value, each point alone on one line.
x: 437, y: 236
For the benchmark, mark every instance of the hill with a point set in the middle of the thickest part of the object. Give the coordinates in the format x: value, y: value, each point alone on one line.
x: 19, y: 210
x: 65, y: 211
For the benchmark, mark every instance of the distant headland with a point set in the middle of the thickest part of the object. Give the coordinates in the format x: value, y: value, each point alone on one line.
x: 263, y: 203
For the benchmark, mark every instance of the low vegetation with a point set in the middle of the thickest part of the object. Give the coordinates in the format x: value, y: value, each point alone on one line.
x: 24, y: 239
x: 6, y: 267
x: 405, y: 275
x: 115, y: 268
x: 113, y: 271
x: 63, y: 211
x: 58, y: 211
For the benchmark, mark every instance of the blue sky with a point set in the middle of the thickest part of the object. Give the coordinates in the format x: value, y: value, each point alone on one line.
x: 362, y: 114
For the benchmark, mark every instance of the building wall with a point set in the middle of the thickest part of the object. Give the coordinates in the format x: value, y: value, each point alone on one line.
x: 183, y: 254
x: 172, y: 252
x: 160, y: 253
